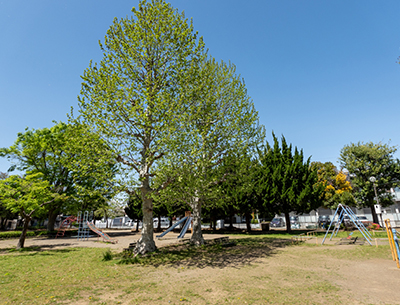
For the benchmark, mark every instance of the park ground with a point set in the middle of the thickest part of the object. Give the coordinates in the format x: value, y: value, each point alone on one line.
x: 257, y: 269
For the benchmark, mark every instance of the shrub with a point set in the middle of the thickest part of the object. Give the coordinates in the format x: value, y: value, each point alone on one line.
x: 15, y: 234
x: 254, y: 221
x: 107, y: 256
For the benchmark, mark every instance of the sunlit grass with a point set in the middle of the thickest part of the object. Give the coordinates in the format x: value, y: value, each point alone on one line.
x: 253, y: 270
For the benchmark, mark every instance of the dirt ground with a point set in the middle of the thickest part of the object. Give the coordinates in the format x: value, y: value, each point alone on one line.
x: 364, y: 281
x: 124, y: 237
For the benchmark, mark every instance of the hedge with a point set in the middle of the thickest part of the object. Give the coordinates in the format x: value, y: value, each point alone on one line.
x: 15, y: 234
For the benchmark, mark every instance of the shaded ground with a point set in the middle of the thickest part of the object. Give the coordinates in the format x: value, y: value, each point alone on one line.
x: 124, y: 237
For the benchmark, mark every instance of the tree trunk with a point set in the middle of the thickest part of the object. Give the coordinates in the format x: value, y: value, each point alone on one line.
x: 19, y: 222
x: 3, y: 223
x: 374, y: 215
x: 197, y: 235
x: 21, y: 240
x: 137, y: 225
x: 159, y: 224
x: 106, y: 217
x: 288, y: 225
x: 248, y: 224
x: 214, y: 223
x: 231, y: 222
x: 52, y: 220
x: 146, y: 242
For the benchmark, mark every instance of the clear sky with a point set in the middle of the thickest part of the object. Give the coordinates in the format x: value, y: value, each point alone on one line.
x: 322, y: 73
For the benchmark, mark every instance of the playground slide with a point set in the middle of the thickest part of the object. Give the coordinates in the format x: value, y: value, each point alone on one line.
x: 172, y: 227
x: 187, y: 224
x: 105, y: 237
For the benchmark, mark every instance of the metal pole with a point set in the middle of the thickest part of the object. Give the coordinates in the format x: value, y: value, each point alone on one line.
x: 327, y: 231
x: 377, y: 201
x: 338, y: 223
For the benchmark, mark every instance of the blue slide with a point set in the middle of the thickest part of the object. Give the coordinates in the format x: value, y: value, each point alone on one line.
x: 187, y: 224
x: 173, y: 227
x: 396, y: 242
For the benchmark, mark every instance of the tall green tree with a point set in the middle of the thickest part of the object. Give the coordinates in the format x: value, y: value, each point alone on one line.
x: 134, y: 97
x: 287, y: 182
x: 221, y: 121
x: 26, y: 196
x: 366, y: 160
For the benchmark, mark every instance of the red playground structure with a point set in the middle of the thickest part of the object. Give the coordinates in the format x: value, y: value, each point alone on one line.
x: 65, y: 225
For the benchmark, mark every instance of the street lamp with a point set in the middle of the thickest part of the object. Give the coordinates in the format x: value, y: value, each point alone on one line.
x: 373, y: 180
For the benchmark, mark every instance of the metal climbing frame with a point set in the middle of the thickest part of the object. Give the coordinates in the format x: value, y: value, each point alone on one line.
x: 83, y: 231
x: 345, y: 210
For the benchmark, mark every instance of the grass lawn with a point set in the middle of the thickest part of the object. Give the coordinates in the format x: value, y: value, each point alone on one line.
x: 255, y: 270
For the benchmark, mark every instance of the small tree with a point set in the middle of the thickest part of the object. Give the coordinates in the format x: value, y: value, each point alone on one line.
x: 366, y: 160
x: 286, y: 182
x: 55, y: 154
x: 338, y: 188
x: 26, y: 196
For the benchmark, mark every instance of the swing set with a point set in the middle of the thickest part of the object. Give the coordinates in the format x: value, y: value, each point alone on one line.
x: 341, y: 212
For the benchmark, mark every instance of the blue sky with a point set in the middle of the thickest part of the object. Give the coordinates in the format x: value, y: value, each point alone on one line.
x: 322, y: 73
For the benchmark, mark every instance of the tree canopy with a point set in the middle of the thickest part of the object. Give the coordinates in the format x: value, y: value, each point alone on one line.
x: 366, y: 160
x: 53, y: 152
x: 222, y: 122
x: 337, y: 184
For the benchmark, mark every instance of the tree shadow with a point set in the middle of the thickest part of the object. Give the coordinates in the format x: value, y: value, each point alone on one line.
x: 38, y: 250
x: 235, y: 254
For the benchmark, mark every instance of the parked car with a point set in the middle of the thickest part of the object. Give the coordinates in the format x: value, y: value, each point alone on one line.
x: 323, y: 221
x: 363, y: 219
x: 277, y: 222
x: 164, y: 222
x: 294, y: 222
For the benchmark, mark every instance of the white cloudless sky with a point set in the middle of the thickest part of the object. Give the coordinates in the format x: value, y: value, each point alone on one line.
x: 322, y: 73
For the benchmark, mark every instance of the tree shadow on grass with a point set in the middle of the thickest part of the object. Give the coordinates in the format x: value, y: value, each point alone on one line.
x: 38, y: 250
x: 236, y: 254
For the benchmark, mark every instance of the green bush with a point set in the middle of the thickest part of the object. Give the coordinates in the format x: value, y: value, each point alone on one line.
x: 254, y: 221
x: 15, y: 234
x: 107, y: 256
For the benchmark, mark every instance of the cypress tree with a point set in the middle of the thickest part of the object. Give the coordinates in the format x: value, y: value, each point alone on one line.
x: 287, y: 183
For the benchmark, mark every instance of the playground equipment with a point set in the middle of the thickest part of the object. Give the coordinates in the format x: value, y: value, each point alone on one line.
x: 342, y: 211
x: 105, y: 237
x: 393, y: 242
x: 188, y: 220
x: 83, y: 231
x: 65, y: 225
